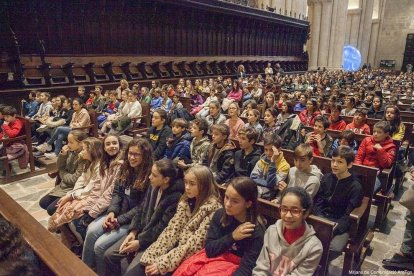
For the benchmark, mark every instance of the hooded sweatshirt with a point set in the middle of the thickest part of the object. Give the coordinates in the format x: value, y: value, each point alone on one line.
x: 244, y: 164
x: 369, y: 156
x: 309, y: 181
x: 179, y: 147
x: 336, y: 199
x: 299, y: 258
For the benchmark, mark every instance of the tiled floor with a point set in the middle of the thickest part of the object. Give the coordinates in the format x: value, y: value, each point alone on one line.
x: 385, y: 243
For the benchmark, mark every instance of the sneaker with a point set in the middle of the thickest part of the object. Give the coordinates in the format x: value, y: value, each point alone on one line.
x: 45, y: 147
x: 51, y: 155
x: 41, y: 128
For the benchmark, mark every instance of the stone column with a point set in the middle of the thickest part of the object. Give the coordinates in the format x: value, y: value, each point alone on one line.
x: 341, y: 14
x: 333, y: 33
x: 288, y: 7
x: 315, y: 12
x: 365, y: 29
x: 324, y: 36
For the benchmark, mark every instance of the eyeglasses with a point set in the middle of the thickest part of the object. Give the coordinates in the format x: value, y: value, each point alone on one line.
x: 294, y: 212
x: 134, y: 154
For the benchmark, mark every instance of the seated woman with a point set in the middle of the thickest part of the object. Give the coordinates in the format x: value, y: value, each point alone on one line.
x: 70, y: 167
x: 307, y: 116
x: 204, y: 109
x: 129, y: 192
x: 234, y: 122
x: 158, y: 133
x: 158, y: 208
x: 80, y: 119
x: 290, y: 245
x: 186, y: 232
x: 235, y: 236
x: 235, y: 95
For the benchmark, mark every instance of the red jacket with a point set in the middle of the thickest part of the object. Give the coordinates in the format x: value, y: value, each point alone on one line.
x: 339, y: 125
x: 364, y: 129
x: 303, y: 116
x: 12, y: 129
x: 369, y: 156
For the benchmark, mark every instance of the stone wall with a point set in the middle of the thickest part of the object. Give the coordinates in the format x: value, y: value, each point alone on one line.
x: 398, y: 21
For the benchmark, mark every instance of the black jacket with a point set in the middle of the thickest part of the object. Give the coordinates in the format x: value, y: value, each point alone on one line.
x: 291, y: 138
x: 123, y: 208
x: 335, y: 200
x: 158, y: 140
x: 220, y: 240
x: 223, y: 165
x: 376, y: 114
x: 244, y: 164
x: 150, y: 222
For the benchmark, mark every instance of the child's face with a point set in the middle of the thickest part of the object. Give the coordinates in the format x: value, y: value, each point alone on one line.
x: 339, y: 165
x: 318, y: 128
x: 81, y: 92
x: 73, y: 144
x: 124, y: 96
x: 176, y: 99
x: 234, y: 203
x: 309, y: 106
x: 244, y: 142
x: 43, y: 98
x: 359, y: 118
x: 38, y: 98
x: 268, y: 118
x: 268, y: 151
x: 191, y: 186
x: 284, y: 107
x: 213, y: 110
x: 156, y: 120
x: 344, y: 142
x: 390, y: 114
x: 66, y: 104
x: 112, y: 97
x: 292, y: 212
x: 85, y: 154
x: 379, y: 135
x: 233, y: 110
x: 251, y: 118
x: 131, y: 97
x: 217, y: 137
x: 376, y: 103
x: 76, y: 106
x: 269, y: 100
x: 302, y: 163
x: 177, y: 130
x: 111, y: 146
x: 135, y: 157
x: 195, y: 131
x: 335, y: 114
x: 9, y: 118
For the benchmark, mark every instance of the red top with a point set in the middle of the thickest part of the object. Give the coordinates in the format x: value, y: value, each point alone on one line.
x: 12, y: 129
x: 363, y: 129
x: 339, y: 125
x: 378, y: 158
x: 292, y: 235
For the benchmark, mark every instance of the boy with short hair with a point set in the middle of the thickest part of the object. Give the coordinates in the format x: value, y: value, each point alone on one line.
x: 335, y: 119
x: 271, y: 168
x: 81, y: 94
x: 339, y: 194
x: 199, y: 145
x: 378, y: 150
x: 318, y: 139
x: 246, y: 158
x: 30, y: 107
x: 302, y: 103
x: 45, y: 107
x: 156, y: 99
x: 178, y: 144
x: 347, y: 138
x: 359, y: 125
x: 303, y: 174
x: 220, y: 157
x: 12, y: 126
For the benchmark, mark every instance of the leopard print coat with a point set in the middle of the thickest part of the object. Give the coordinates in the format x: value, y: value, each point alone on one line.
x: 183, y: 237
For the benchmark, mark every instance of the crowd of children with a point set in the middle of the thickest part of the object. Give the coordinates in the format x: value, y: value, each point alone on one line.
x: 136, y: 215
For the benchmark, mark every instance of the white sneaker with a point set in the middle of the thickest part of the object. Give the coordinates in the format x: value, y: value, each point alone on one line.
x: 42, y: 128
x: 51, y: 155
x: 45, y: 147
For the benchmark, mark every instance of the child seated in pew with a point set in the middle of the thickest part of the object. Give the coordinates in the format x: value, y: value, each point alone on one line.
x: 30, y: 107
x: 42, y: 114
x: 158, y: 208
x: 110, y: 107
x: 176, y: 104
x: 392, y: 115
x: 346, y: 138
x: 128, y: 192
x: 156, y: 99
x: 215, y: 116
x: 270, y: 119
x: 234, y: 122
x: 12, y: 126
x: 234, y: 238
x: 199, y: 145
x: 158, y: 133
x: 378, y: 150
x: 359, y: 125
x: 290, y: 246
x: 303, y: 174
x: 70, y: 167
x: 186, y: 232
x: 339, y: 194
x: 204, y: 109
x: 271, y: 168
x: 220, y: 157
x: 250, y: 105
x: 335, y: 119
x: 253, y: 117
x: 318, y: 139
x: 178, y: 144
x: 246, y: 158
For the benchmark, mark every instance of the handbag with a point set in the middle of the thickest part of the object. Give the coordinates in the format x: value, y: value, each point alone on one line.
x: 407, y: 200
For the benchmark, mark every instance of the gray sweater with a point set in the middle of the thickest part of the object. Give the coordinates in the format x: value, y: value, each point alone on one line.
x: 300, y: 258
x: 309, y: 181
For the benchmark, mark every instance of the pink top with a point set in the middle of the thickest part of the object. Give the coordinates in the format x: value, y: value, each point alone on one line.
x: 235, y: 95
x: 234, y: 127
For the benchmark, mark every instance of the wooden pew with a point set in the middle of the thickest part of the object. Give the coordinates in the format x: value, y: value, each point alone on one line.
x: 55, y: 258
x: 323, y: 228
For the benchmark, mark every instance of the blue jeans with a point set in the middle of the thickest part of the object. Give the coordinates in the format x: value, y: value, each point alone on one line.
x: 97, y: 241
x: 59, y: 136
